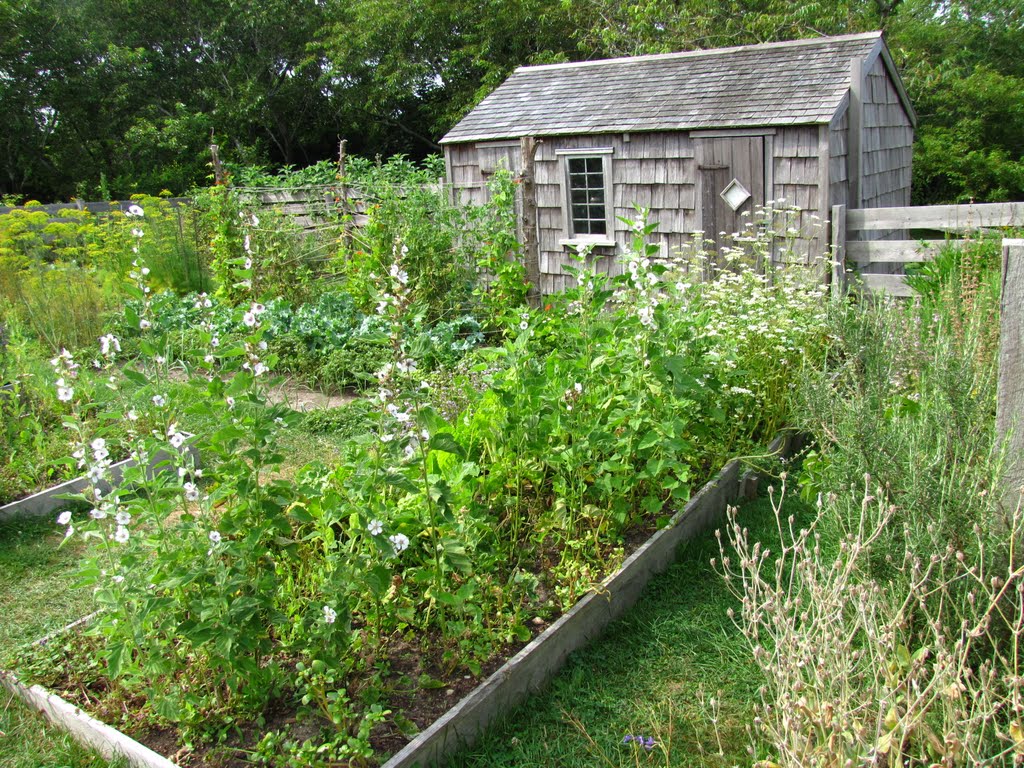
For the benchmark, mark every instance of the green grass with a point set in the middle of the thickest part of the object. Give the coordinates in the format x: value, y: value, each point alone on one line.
x: 35, y: 598
x: 653, y: 673
x: 27, y: 741
x: 36, y: 575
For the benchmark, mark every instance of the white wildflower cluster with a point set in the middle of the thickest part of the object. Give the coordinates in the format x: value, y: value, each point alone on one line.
x: 109, y: 346
x: 140, y: 274
x: 643, y: 293
x: 66, y: 368
x: 753, y: 311
x: 401, y: 418
x: 392, y: 378
x: 215, y: 540
x: 251, y: 317
x: 205, y: 305
x: 399, y: 541
x: 244, y: 265
x: 136, y: 212
x: 254, y: 361
x: 394, y: 298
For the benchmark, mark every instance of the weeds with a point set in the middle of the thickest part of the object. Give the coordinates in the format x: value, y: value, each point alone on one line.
x: 924, y: 670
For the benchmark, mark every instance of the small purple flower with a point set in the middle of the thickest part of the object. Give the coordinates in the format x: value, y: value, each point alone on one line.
x: 647, y: 742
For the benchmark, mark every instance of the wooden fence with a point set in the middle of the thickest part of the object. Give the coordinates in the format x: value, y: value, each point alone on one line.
x: 853, y: 246
x: 312, y: 207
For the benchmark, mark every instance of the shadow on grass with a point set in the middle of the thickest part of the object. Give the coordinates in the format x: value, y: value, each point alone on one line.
x: 674, y: 669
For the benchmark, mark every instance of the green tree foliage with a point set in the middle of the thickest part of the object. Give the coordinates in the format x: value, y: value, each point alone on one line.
x: 131, y: 92
x: 113, y: 97
x: 963, y: 68
x: 404, y: 77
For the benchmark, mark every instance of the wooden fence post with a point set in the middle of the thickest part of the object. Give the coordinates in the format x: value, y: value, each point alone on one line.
x: 838, y: 250
x: 531, y: 255
x: 1010, y: 388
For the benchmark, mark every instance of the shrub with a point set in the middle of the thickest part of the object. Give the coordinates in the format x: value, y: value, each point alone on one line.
x: 62, y: 276
x: 908, y: 396
x: 410, y: 219
x: 345, y: 421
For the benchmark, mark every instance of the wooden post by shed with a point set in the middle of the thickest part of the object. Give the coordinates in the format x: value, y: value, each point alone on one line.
x: 528, y: 149
x: 219, y: 177
x: 1010, y: 388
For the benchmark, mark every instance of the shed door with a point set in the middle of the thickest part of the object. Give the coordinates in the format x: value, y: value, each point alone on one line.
x: 732, y: 174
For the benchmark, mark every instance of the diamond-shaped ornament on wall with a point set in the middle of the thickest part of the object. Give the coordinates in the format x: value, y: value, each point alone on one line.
x: 735, y: 194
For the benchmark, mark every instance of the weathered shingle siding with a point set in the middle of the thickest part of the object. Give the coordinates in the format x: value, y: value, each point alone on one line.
x: 887, y: 143
x: 839, y: 168
x: 652, y: 170
x: 464, y: 174
x: 796, y: 180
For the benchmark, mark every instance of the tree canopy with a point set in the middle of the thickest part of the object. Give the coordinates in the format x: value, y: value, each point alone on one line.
x: 112, y: 97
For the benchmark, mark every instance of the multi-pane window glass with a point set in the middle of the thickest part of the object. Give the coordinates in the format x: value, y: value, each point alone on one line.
x: 586, y: 196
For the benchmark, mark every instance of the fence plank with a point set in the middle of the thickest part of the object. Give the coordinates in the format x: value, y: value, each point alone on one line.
x: 1010, y: 387
x: 945, y: 217
x: 894, y: 285
x: 893, y: 251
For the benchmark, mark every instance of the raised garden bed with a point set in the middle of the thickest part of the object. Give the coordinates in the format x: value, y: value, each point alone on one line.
x: 49, y: 501
x: 527, y: 671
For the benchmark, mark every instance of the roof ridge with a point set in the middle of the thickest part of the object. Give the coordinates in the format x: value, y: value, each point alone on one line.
x: 807, y: 41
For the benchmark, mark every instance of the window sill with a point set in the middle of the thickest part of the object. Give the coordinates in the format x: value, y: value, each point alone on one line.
x: 580, y: 242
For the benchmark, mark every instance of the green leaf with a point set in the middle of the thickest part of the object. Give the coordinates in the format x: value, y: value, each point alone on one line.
x: 649, y: 440
x: 377, y: 580
x: 444, y: 441
x: 241, y: 383
x: 135, y: 377
x: 396, y: 480
x: 115, y: 657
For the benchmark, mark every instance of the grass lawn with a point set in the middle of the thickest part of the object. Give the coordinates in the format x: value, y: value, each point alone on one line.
x: 35, y: 598
x: 654, y: 673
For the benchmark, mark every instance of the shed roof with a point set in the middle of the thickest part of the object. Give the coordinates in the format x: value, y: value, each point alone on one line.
x: 774, y: 84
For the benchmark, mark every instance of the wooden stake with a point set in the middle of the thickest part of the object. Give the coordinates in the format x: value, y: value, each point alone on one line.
x: 343, y: 203
x: 531, y: 255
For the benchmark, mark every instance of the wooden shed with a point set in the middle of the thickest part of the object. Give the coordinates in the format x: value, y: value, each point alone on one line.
x: 699, y: 138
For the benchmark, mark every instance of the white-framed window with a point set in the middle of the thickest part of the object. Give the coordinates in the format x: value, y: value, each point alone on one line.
x: 587, y: 184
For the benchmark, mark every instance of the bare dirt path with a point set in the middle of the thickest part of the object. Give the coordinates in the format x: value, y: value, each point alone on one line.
x: 299, y: 397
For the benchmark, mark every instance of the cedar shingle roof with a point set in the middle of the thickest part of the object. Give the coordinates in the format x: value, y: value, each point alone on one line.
x: 798, y: 82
